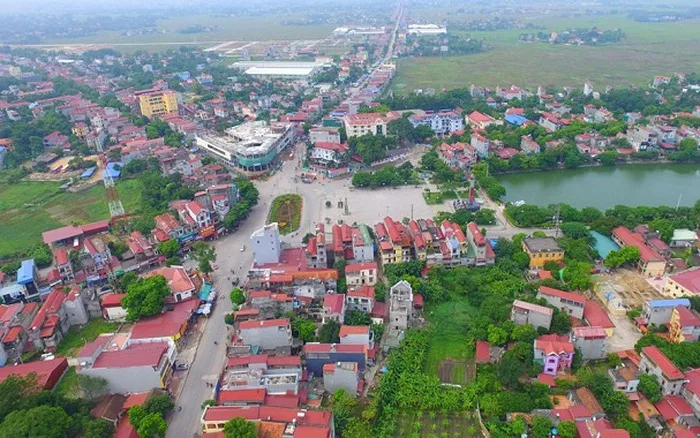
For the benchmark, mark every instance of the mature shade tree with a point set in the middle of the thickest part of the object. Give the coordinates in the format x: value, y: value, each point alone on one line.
x: 240, y: 428
x: 304, y: 329
x: 541, y: 426
x: 152, y: 425
x: 622, y: 256
x: 567, y: 429
x: 357, y: 317
x: 145, y: 297
x: 170, y: 248
x: 98, y: 429
x: 41, y: 421
x: 205, y: 255
x: 649, y: 386
x: 329, y: 332
x: 159, y: 403
x: 16, y: 388
x: 237, y: 296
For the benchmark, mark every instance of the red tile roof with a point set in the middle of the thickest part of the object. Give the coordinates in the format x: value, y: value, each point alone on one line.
x: 167, y: 324
x: 689, y: 279
x: 339, y: 348
x: 346, y: 330
x: 334, y: 302
x: 544, y: 290
x: 256, y: 395
x: 282, y: 322
x: 482, y: 352
x: 112, y: 300
x: 47, y: 371
x: 479, y: 117
x: 13, y: 334
x: 554, y: 344
x: 135, y: 355
x: 673, y: 406
x: 595, y: 315
x: 532, y: 307
x: 61, y: 256
x: 364, y: 291
x: 357, y: 267
x: 379, y: 310
x: 663, y: 362
x: 630, y: 238
x: 589, y: 332
x: 687, y: 317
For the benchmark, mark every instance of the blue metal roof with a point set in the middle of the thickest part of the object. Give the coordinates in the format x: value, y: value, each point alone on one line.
x: 88, y: 173
x: 515, y: 119
x: 25, y: 273
x: 670, y: 303
x: 113, y: 171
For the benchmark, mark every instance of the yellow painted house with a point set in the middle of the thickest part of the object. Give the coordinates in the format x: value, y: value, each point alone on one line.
x: 541, y: 250
x: 157, y: 102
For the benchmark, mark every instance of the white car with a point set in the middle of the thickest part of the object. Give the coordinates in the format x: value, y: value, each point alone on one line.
x: 242, y: 248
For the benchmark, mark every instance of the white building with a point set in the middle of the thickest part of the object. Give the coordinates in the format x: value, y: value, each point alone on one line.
x: 426, y: 29
x: 329, y: 152
x: 266, y: 244
x: 251, y: 146
x: 324, y: 135
x: 440, y: 123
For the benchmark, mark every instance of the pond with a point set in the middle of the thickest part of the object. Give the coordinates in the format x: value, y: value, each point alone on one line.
x: 605, y: 187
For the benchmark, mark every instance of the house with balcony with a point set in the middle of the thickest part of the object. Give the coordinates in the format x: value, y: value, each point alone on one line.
x: 333, y: 308
x: 655, y: 363
x: 625, y: 376
x: 658, y: 312
x: 554, y: 352
x: 317, y: 355
x: 360, y: 298
x: 181, y: 285
x: 571, y: 303
x: 684, y: 325
x: 357, y: 335
x: 651, y: 263
x: 360, y: 274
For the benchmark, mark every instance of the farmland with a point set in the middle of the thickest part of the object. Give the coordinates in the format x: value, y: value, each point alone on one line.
x: 450, y: 349
x: 647, y: 50
x: 29, y: 208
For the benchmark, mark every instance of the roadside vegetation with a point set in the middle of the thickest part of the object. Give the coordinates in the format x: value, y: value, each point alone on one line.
x: 286, y: 211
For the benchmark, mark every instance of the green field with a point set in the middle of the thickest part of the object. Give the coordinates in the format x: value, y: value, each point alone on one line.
x: 29, y: 208
x: 448, y: 340
x: 261, y: 28
x: 648, y: 49
x: 434, y: 424
x: 76, y: 338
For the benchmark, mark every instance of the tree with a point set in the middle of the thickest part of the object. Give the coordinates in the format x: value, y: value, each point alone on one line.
x: 567, y: 429
x: 152, y: 425
x: 159, y: 403
x: 524, y: 333
x: 237, y: 214
x: 329, y: 332
x: 510, y: 368
x: 578, y: 275
x: 608, y: 158
x: 357, y: 317
x: 41, y: 421
x: 240, y: 428
x: 98, y: 429
x: 622, y: 256
x: 92, y: 387
x: 541, y: 426
x: 237, y: 296
x: 575, y: 230
x: 304, y: 329
x: 145, y: 297
x: 496, y: 335
x: 169, y: 248
x: 205, y: 255
x: 16, y: 388
x: 649, y: 386
x: 560, y: 322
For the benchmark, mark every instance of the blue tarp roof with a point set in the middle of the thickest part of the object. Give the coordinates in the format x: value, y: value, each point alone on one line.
x: 603, y: 244
x: 515, y: 119
x: 670, y: 303
x: 112, y: 171
x: 25, y: 273
x: 88, y: 173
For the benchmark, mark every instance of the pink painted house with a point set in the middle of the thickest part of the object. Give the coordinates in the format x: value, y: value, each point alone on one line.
x: 554, y: 352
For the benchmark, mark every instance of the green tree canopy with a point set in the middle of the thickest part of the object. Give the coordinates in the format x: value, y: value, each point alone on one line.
x: 41, y: 421
x: 145, y: 297
x: 240, y: 428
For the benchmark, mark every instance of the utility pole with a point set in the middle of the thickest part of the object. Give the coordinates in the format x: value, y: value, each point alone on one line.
x: 556, y: 222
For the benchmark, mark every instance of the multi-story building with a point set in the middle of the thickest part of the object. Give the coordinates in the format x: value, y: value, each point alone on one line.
x: 360, y: 298
x: 400, y: 307
x: 274, y: 374
x: 590, y: 341
x: 523, y: 313
x: 316, y: 251
x: 324, y: 135
x: 357, y: 335
x: 317, y: 355
x: 362, y: 244
x: 625, y: 376
x: 182, y: 286
x: 569, y: 302
x: 266, y: 245
x: 325, y: 153
x: 651, y: 263
x: 684, y: 325
x: 157, y: 102
x: 541, y: 250
x: 683, y: 284
x: 133, y: 367
x: 289, y: 422
x: 459, y: 155
x: 267, y: 335
x: 655, y: 363
x: 334, y: 308
x: 658, y: 312
x: 361, y: 274
x: 251, y: 146
x: 357, y: 125
x: 193, y: 214
x: 479, y: 120
x: 341, y: 375
x: 554, y: 352
x: 441, y: 123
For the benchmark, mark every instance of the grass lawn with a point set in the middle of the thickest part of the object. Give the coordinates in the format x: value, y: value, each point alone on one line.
x: 286, y: 211
x: 68, y: 385
x: 76, y: 337
x: 448, y: 339
x: 647, y: 50
x: 29, y: 208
